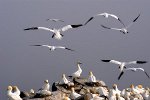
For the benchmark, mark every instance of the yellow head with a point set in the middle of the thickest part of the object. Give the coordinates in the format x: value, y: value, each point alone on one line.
x: 46, y: 81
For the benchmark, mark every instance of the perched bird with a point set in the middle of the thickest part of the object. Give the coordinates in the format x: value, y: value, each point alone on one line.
x: 11, y: 95
x: 124, y: 29
x: 73, y: 94
x: 46, y: 86
x: 134, y: 70
x: 91, y: 77
x: 52, y: 48
x: 56, y: 32
x: 55, y: 20
x: 106, y: 15
x: 16, y: 90
x: 78, y: 72
x: 122, y: 65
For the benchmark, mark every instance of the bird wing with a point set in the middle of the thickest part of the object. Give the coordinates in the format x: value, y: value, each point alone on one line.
x: 42, y: 28
x: 60, y: 47
x: 147, y: 74
x: 110, y: 28
x: 112, y: 61
x: 67, y: 27
x: 114, y: 16
x: 120, y: 75
x: 89, y: 20
x: 132, y: 22
x: 136, y: 62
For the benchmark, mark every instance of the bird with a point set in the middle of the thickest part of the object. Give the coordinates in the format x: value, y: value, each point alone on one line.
x: 124, y: 29
x: 11, y: 95
x: 55, y: 20
x: 46, y: 86
x: 134, y: 70
x: 91, y: 77
x: 73, y: 94
x: 78, y: 72
x: 16, y: 90
x: 52, y: 48
x: 122, y: 65
x: 106, y: 15
x: 56, y: 32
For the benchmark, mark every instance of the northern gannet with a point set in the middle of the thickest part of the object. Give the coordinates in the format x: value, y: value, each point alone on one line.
x: 73, y: 94
x: 134, y: 70
x: 56, y: 32
x: 78, y: 72
x: 124, y: 29
x: 55, y: 20
x: 66, y: 81
x: 91, y: 77
x: 115, y: 89
x: 11, y: 95
x: 106, y: 15
x: 16, y: 90
x: 122, y: 65
x: 52, y: 48
x: 46, y: 86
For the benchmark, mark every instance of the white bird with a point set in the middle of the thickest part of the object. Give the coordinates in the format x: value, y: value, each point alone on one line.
x: 11, y: 95
x: 124, y: 29
x: 91, y: 77
x: 106, y: 15
x: 78, y: 72
x: 73, y: 94
x: 55, y: 20
x: 16, y: 90
x: 46, y: 86
x: 56, y: 32
x: 52, y: 48
x: 122, y: 65
x: 134, y: 70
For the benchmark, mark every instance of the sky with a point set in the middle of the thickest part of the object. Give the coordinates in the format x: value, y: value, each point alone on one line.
x: 27, y: 66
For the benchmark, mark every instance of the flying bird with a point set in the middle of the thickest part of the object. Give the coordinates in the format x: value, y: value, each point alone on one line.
x: 134, y: 70
x: 52, y: 48
x: 122, y: 65
x: 106, y: 15
x: 55, y: 20
x: 124, y: 29
x: 56, y: 32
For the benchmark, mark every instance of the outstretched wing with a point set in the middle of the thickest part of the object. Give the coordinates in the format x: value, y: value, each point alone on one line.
x: 120, y: 75
x: 110, y: 28
x: 37, y: 28
x: 133, y: 21
x: 136, y: 62
x: 67, y: 27
x: 89, y: 20
x: 112, y: 61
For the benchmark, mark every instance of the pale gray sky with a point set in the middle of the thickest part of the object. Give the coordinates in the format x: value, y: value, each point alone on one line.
x: 27, y: 66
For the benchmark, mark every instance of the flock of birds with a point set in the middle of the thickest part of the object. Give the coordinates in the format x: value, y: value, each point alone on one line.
x: 75, y: 87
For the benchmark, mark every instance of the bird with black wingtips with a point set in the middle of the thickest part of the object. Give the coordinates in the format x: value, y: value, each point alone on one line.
x: 56, y: 32
x: 133, y: 69
x: 122, y: 65
x: 52, y: 48
x: 123, y: 30
x: 106, y: 15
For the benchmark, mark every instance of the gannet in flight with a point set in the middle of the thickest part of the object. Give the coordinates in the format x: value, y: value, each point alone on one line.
x: 11, y: 95
x: 52, y: 48
x: 122, y: 65
x: 78, y: 72
x: 134, y: 70
x: 55, y: 20
x: 106, y: 15
x: 56, y: 32
x: 124, y: 29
